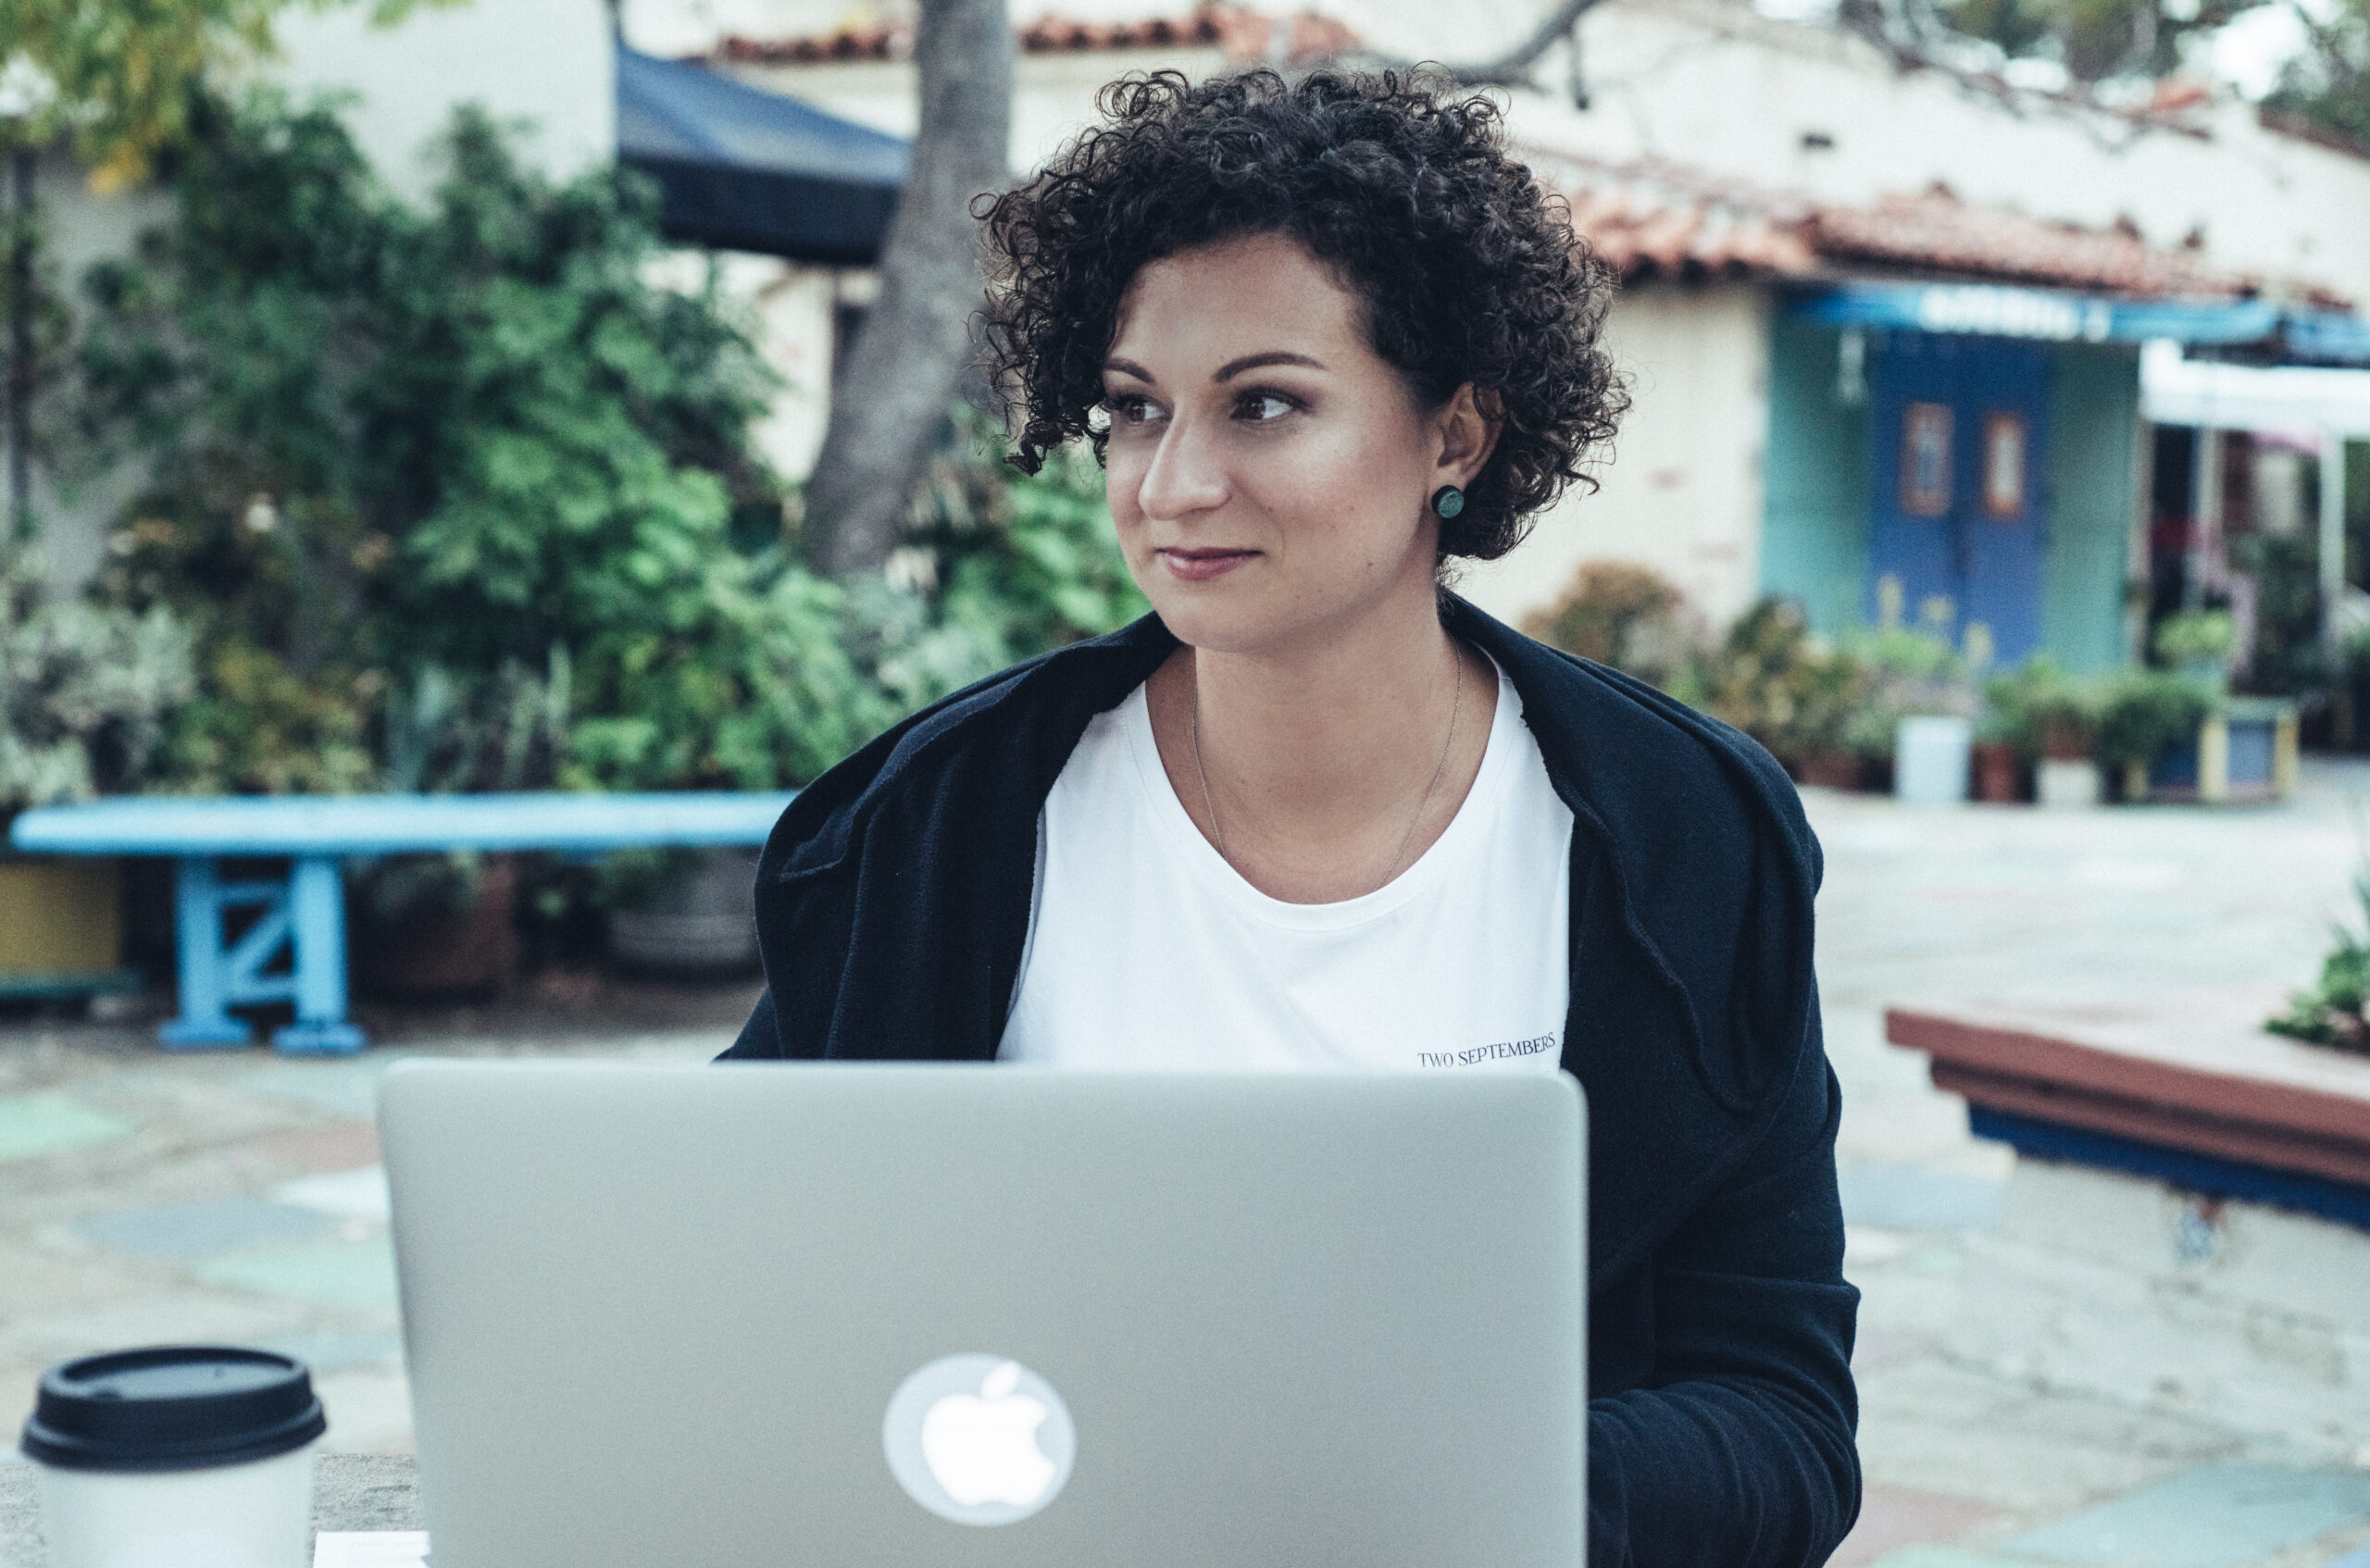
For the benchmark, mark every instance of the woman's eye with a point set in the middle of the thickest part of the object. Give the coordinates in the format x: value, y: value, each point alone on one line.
x: 1262, y: 407
x: 1126, y: 408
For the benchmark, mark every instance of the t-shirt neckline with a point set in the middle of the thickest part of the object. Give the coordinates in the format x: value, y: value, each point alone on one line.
x: 1200, y: 859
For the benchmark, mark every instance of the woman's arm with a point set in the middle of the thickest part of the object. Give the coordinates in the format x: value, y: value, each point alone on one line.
x: 1740, y: 1451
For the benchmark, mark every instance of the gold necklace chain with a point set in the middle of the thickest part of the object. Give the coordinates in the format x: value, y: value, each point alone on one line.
x: 1210, y: 804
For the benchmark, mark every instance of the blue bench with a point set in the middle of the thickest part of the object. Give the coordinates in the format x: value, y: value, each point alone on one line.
x: 304, y: 916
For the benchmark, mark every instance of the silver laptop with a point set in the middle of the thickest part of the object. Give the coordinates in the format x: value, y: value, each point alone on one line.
x: 775, y: 1315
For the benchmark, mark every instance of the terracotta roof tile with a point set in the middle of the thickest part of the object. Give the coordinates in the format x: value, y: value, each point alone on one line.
x: 1244, y: 35
x: 1936, y: 232
x: 1650, y: 218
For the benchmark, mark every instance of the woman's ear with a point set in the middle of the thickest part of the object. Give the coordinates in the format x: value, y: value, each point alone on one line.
x: 1470, y: 424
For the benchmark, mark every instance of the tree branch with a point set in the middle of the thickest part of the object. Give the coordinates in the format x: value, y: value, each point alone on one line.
x: 1866, y: 20
x: 1512, y: 68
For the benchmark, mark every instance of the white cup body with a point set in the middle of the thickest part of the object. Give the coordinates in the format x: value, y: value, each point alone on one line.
x: 254, y: 1515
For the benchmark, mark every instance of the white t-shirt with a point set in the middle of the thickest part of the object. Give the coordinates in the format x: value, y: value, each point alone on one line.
x: 1147, y: 950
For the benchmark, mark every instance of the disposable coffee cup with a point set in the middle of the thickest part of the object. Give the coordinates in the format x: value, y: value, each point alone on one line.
x: 177, y: 1457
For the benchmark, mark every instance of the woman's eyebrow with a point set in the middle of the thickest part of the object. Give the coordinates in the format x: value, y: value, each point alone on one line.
x: 1234, y: 368
x: 1226, y: 372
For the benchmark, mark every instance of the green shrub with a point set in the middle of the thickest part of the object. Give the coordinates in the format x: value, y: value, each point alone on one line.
x: 1771, y: 680
x: 2337, y: 1011
x: 456, y: 499
x: 2042, y: 710
x: 1020, y: 564
x: 2197, y: 637
x: 1909, y: 672
x: 1622, y: 615
x: 2289, y: 658
x: 2143, y: 711
x: 86, y: 692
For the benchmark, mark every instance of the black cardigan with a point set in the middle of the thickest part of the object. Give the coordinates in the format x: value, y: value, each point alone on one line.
x: 892, y: 906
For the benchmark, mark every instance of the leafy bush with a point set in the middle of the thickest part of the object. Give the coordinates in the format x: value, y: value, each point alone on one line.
x: 2197, y: 637
x: 408, y: 466
x: 459, y: 500
x: 1771, y: 680
x: 1908, y: 672
x: 1010, y: 565
x: 2337, y: 1011
x: 85, y: 692
x: 2143, y: 711
x: 2289, y: 658
x: 2042, y: 710
x: 1622, y: 615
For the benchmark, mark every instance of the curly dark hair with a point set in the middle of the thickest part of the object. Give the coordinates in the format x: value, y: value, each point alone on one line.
x: 1468, y: 270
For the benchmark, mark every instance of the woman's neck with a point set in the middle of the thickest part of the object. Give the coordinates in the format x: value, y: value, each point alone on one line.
x: 1308, y: 765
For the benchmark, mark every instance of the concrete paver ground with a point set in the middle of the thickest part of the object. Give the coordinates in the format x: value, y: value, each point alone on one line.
x: 2061, y: 1364
x: 147, y: 1198
x: 2057, y: 1364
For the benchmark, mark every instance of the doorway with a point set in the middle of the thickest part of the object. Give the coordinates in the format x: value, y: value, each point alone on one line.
x: 1959, y: 428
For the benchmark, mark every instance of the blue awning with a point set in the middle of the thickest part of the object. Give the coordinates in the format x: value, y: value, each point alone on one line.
x: 2326, y: 337
x: 2281, y: 333
x: 1990, y: 310
x: 746, y: 169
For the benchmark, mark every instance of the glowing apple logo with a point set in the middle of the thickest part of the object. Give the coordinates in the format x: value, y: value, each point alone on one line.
x: 982, y: 1447
x: 979, y: 1439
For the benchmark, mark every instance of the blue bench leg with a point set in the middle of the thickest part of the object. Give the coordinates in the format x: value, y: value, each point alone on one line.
x: 317, y: 915
x: 204, y: 1023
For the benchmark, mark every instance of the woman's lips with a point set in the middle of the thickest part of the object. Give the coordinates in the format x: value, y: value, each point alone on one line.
x: 1202, y: 566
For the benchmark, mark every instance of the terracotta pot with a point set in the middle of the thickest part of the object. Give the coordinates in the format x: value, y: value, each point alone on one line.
x: 1998, y: 773
x: 1832, y: 770
x: 435, y: 951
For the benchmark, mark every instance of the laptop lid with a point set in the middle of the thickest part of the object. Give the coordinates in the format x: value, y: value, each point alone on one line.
x: 977, y: 1315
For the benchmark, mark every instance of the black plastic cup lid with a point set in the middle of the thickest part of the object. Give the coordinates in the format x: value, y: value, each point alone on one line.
x: 173, y: 1407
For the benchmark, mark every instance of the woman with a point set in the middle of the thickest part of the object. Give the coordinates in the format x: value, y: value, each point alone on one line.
x: 1315, y: 812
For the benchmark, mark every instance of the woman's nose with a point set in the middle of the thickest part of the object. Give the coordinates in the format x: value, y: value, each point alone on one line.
x: 1185, y: 477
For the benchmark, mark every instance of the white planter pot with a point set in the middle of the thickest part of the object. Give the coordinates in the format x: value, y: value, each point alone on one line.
x: 1929, y: 765
x: 2067, y: 784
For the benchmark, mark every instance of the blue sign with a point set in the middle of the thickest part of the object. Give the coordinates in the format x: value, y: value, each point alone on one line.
x: 2327, y: 336
x: 2049, y: 315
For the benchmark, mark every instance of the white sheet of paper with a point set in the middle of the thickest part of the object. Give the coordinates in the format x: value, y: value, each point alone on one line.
x: 370, y: 1548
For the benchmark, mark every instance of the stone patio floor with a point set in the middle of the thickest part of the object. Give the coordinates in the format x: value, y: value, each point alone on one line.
x: 2057, y: 1365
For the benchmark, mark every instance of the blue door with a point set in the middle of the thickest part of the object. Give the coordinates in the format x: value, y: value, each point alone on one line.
x: 1959, y: 426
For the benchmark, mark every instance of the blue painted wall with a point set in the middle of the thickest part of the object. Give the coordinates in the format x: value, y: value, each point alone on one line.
x: 2094, y: 407
x: 1816, y: 518
x: 1818, y: 515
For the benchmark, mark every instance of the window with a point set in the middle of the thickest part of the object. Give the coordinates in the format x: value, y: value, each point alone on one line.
x: 1926, y: 459
x: 2003, y: 465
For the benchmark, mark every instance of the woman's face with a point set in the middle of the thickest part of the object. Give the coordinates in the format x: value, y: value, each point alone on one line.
x: 1270, y: 475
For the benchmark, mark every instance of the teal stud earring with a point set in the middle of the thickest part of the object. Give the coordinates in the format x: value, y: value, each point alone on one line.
x: 1447, y: 502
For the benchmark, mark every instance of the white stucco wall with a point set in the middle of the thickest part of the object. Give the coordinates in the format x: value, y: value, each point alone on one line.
x: 1682, y: 491
x: 548, y: 63
x: 1716, y: 87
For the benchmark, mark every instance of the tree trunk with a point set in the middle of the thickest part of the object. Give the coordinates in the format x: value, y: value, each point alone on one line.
x: 888, y: 401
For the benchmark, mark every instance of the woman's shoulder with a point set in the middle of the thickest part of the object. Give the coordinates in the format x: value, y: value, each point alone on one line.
x: 1667, y: 784
x: 1713, y: 866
